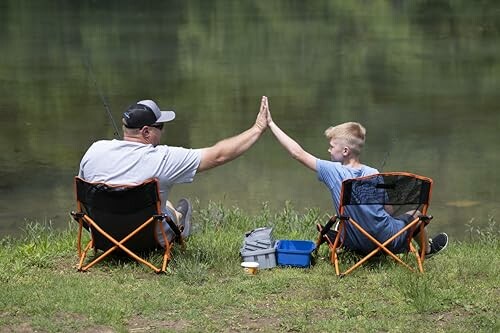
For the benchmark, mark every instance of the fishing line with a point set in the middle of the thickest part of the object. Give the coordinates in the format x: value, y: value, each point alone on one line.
x: 87, y: 63
x: 386, y: 156
x: 388, y: 151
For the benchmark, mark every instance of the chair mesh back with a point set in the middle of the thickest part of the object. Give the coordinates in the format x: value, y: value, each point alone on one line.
x: 120, y: 210
x: 403, y: 191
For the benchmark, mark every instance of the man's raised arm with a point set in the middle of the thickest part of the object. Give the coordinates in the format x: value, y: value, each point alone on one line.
x: 228, y: 149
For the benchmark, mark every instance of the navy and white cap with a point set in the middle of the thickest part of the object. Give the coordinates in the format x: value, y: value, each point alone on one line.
x: 145, y: 113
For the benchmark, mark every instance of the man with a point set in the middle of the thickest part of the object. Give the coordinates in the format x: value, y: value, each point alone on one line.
x: 346, y: 142
x: 139, y: 156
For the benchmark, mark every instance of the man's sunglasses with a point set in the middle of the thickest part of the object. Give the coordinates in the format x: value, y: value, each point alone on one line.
x: 158, y: 126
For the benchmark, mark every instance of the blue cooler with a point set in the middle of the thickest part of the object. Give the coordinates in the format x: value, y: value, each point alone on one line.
x: 296, y: 253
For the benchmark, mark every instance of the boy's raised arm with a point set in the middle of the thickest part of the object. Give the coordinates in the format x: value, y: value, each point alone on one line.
x: 295, y: 150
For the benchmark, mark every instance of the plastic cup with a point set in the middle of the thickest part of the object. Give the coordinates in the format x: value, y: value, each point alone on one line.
x: 250, y: 267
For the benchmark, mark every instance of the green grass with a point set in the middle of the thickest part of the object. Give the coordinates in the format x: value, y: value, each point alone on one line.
x: 206, y: 290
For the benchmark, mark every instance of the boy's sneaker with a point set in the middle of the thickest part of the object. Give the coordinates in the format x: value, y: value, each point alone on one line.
x: 437, y: 244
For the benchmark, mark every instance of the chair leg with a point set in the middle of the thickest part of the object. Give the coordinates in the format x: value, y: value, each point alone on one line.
x: 416, y: 253
x: 382, y: 247
x: 79, y: 217
x: 323, y: 231
x: 79, y: 239
x: 167, y: 255
x: 126, y: 250
x: 166, y: 259
x: 335, y: 246
x: 83, y: 255
x: 119, y: 244
x: 167, y: 247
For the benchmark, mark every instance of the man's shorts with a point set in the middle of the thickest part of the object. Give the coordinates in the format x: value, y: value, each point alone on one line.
x: 170, y: 234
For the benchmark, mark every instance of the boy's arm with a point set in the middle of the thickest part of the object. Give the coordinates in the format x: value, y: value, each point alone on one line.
x: 292, y: 146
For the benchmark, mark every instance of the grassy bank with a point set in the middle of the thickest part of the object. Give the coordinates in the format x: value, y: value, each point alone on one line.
x: 206, y: 289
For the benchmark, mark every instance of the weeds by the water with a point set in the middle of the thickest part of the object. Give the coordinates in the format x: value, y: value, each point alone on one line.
x: 490, y: 232
x: 206, y: 290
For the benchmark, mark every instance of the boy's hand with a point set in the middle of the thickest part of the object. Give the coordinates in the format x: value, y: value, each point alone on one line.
x: 269, y: 118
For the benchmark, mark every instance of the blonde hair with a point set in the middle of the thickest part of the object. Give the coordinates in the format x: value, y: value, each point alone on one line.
x: 351, y: 133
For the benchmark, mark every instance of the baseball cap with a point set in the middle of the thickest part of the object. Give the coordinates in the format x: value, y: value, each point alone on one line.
x: 145, y: 113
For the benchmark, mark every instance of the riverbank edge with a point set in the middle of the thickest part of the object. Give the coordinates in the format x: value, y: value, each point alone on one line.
x: 206, y: 289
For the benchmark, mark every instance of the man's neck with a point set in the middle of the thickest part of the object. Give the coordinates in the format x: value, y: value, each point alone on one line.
x: 132, y: 138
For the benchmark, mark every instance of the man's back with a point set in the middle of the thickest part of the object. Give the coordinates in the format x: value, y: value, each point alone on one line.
x: 126, y: 162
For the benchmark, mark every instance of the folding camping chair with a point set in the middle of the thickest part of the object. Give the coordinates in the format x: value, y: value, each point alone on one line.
x: 400, y: 192
x: 121, y: 220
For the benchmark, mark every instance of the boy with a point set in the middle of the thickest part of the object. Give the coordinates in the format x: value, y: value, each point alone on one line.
x: 346, y: 142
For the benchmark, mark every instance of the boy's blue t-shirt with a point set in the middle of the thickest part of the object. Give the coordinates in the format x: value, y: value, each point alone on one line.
x: 373, y: 218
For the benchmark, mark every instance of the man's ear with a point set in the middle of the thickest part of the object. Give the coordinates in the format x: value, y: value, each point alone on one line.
x: 145, y: 131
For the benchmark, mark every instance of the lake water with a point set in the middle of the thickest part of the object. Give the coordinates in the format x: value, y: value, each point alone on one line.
x: 422, y: 76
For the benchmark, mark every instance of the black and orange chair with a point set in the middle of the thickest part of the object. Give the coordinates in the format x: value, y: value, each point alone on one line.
x: 398, y: 192
x: 122, y: 219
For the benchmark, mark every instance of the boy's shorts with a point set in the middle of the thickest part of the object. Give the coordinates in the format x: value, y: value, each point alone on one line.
x: 401, y: 243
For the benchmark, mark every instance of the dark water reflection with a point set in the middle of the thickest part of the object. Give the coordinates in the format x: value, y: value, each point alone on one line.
x: 423, y: 76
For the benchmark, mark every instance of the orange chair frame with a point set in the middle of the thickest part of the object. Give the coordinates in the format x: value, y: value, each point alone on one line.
x: 87, y: 222
x: 419, y: 222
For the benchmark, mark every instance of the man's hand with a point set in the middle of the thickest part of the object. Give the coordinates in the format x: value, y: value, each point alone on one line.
x: 261, y: 121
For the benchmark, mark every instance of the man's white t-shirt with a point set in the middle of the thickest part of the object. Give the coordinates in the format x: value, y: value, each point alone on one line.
x: 119, y: 162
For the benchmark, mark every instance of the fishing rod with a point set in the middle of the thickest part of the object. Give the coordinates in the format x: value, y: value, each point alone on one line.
x: 388, y: 152
x: 103, y: 98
